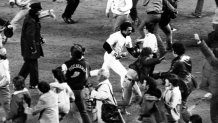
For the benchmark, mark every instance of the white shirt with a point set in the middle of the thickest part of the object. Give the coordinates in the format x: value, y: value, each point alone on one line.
x: 4, y: 72
x: 102, y: 93
x: 64, y: 93
x: 150, y: 40
x: 117, y: 41
x: 119, y: 7
x: 172, y: 97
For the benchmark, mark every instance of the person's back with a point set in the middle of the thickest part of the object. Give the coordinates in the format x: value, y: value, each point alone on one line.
x: 20, y: 98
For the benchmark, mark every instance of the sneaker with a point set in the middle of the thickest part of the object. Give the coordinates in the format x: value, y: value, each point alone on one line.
x: 195, y: 15
x: 33, y: 87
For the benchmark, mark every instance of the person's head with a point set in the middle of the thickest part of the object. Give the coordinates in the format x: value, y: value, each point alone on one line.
x: 3, y: 53
x: 18, y: 83
x: 151, y: 87
x: 195, y: 119
x: 77, y: 51
x: 58, y: 74
x: 44, y: 87
x: 149, y: 84
x: 178, y: 48
x: 146, y: 52
x: 103, y: 74
x: 35, y: 8
x: 149, y: 27
x: 126, y: 28
x: 172, y: 80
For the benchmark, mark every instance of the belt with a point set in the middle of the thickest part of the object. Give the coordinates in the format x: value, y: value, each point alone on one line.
x: 153, y: 12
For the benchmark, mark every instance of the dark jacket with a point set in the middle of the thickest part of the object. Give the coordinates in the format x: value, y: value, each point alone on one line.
x: 143, y: 66
x: 77, y: 73
x: 31, y: 39
x: 16, y: 106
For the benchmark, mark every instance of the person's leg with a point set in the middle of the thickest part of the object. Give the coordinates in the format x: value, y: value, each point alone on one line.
x: 21, y: 14
x: 74, y: 6
x: 25, y: 69
x: 118, y: 20
x: 213, y: 109
x: 34, y: 72
x: 118, y: 68
x: 216, y: 2
x: 133, y: 11
x: 148, y: 18
x: 160, y: 44
x: 199, y: 7
x: 168, y: 32
x: 81, y: 106
x: 68, y: 9
x: 5, y: 92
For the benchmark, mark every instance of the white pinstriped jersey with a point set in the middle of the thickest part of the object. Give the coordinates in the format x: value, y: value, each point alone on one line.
x: 117, y: 41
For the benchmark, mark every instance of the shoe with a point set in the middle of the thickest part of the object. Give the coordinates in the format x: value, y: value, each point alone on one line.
x: 195, y: 15
x: 33, y: 87
x: 68, y: 20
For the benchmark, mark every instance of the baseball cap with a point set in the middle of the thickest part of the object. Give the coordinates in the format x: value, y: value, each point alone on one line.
x: 36, y: 6
x: 3, y: 51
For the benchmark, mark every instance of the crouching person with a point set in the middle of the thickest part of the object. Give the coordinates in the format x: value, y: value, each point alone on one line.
x: 103, y: 92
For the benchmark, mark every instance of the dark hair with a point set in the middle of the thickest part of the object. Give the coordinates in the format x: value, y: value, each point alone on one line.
x: 58, y: 74
x: 196, y: 118
x: 150, y: 27
x: 153, y: 90
x: 125, y: 25
x: 77, y: 51
x: 178, y: 48
x: 173, y: 79
x: 146, y: 51
x: 19, y: 83
x: 44, y: 87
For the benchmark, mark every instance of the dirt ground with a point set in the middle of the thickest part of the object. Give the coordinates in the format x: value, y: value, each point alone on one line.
x: 92, y: 29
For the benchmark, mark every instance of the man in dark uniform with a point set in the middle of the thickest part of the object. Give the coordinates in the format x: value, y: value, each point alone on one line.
x: 77, y: 72
x: 31, y: 48
x: 69, y: 10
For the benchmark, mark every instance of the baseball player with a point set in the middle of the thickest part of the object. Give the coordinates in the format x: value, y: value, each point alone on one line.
x: 24, y: 9
x: 114, y: 50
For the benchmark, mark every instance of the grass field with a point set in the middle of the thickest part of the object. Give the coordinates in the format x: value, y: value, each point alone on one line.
x: 92, y: 29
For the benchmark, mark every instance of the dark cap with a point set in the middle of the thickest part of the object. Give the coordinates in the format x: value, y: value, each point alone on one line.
x: 36, y: 6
